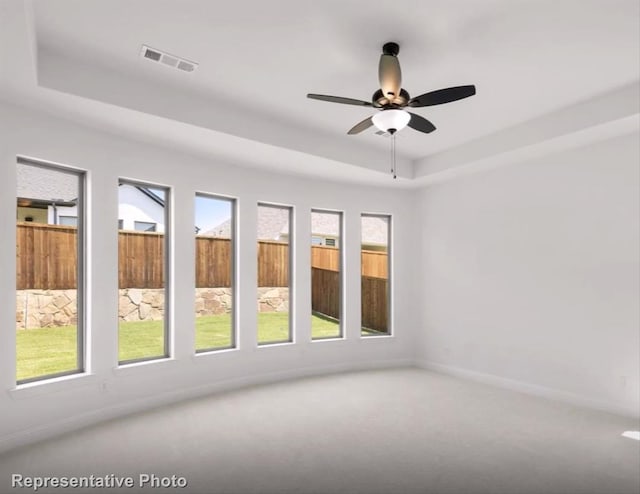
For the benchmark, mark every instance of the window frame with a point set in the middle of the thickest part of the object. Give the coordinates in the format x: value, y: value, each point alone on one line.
x: 168, y: 326
x: 341, y: 277
x: 234, y: 272
x: 81, y: 269
x: 390, y: 309
x: 151, y: 223
x: 61, y: 223
x: 331, y: 242
x: 291, y: 277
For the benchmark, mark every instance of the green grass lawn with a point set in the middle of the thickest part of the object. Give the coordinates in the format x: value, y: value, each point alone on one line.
x: 47, y: 351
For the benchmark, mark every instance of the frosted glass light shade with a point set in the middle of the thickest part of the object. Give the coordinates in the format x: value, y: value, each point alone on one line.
x: 391, y: 119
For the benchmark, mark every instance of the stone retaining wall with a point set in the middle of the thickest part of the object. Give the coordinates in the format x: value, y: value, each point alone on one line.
x: 141, y: 304
x: 273, y: 299
x: 45, y: 308
x: 50, y: 308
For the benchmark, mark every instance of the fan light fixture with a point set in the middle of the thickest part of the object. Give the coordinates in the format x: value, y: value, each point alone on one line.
x: 391, y: 120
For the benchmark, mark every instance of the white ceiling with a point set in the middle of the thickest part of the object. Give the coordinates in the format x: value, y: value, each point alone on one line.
x: 259, y: 59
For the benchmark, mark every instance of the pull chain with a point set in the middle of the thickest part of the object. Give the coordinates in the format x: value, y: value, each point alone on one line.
x: 393, y: 155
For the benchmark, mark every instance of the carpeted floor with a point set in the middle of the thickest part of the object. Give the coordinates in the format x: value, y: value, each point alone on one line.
x: 390, y: 431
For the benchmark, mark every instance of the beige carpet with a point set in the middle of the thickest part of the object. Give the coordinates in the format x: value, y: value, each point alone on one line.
x: 392, y: 431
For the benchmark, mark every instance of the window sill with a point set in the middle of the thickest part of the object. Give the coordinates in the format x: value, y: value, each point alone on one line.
x: 213, y: 353
x: 53, y: 385
x: 275, y: 344
x: 324, y: 340
x: 376, y: 336
x: 149, y: 365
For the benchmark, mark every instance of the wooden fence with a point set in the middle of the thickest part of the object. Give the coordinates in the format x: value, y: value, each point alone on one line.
x: 46, y: 258
x: 375, y: 307
x: 273, y: 263
x: 140, y: 260
x: 213, y: 262
x: 325, y: 292
x: 325, y: 297
x: 373, y: 263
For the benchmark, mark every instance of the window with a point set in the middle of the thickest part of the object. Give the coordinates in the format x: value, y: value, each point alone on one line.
x: 143, y: 326
x: 215, y: 254
x: 375, y: 274
x: 326, y: 277
x: 274, y: 274
x: 144, y: 226
x: 68, y: 220
x: 50, y: 260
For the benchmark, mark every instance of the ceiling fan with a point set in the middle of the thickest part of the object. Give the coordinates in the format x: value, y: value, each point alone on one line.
x: 392, y: 100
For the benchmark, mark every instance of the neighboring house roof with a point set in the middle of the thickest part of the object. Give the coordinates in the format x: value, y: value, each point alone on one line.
x: 150, y: 193
x: 375, y: 230
x: 322, y: 225
x: 223, y: 230
x: 326, y: 225
x: 43, y: 184
x: 273, y: 224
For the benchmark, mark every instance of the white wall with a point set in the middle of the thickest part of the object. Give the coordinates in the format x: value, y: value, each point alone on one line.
x: 37, y: 410
x: 530, y: 275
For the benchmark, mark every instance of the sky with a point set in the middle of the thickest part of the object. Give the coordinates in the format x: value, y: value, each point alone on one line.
x: 210, y: 212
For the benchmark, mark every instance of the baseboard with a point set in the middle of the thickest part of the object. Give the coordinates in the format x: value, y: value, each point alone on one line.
x: 625, y: 409
x: 52, y: 429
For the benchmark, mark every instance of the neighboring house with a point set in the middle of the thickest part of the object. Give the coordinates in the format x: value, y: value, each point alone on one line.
x: 325, y: 229
x: 46, y: 196
x: 50, y: 197
x: 140, y: 208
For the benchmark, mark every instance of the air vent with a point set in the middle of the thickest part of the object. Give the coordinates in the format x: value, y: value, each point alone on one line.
x: 152, y: 55
x: 164, y: 58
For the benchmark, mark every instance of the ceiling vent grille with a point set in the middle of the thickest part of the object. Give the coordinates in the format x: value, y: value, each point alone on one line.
x: 164, y: 58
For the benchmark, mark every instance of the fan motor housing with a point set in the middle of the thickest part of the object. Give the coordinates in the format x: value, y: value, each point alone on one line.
x: 379, y: 100
x: 391, y: 48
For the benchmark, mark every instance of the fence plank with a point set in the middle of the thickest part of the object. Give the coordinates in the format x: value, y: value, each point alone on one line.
x: 140, y: 260
x: 46, y: 256
x: 374, y: 264
x: 375, y: 298
x: 273, y: 264
x: 325, y: 292
x: 213, y: 262
x: 324, y: 257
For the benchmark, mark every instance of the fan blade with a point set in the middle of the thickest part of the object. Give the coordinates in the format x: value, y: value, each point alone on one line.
x: 442, y: 96
x: 390, y: 76
x: 420, y: 123
x: 359, y: 127
x: 339, y: 99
